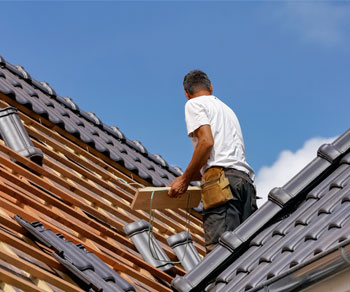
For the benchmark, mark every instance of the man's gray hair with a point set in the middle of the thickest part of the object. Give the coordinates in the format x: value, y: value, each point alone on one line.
x: 196, y: 80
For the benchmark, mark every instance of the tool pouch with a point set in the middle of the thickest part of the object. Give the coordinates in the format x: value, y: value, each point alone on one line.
x: 215, y: 188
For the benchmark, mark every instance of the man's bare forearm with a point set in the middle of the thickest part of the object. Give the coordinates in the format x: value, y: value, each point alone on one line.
x: 199, y: 158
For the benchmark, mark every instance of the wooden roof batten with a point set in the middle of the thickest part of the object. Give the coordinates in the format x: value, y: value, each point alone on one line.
x: 82, y: 182
x: 116, y: 202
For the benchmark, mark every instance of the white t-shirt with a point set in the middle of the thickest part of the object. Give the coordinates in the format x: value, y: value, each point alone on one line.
x: 228, y: 150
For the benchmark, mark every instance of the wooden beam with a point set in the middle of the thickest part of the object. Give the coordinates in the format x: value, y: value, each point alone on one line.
x: 163, y: 220
x: 72, y: 142
x: 84, y: 220
x: 38, y: 272
x: 112, y: 247
x: 33, y: 130
x: 11, y: 279
x: 29, y: 249
x: 64, y: 195
x: 93, y: 177
x: 90, y: 231
x: 179, y: 219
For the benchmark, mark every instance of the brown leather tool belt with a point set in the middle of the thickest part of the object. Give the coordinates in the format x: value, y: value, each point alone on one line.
x: 215, y: 188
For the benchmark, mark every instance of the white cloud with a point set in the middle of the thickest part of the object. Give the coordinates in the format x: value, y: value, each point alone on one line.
x: 286, y: 166
x: 321, y: 22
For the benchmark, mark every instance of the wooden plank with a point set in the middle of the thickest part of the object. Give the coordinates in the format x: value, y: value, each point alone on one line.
x: 162, y: 219
x: 179, y: 219
x: 174, y: 220
x: 33, y: 127
x: 14, y: 209
x: 78, y: 216
x: 74, y: 143
x: 55, y: 190
x: 38, y: 272
x: 65, y: 195
x: 114, y: 200
x: 160, y: 200
x: 64, y: 160
x: 29, y: 249
x: 49, y: 129
x: 11, y: 279
x: 102, y: 172
x: 84, y: 226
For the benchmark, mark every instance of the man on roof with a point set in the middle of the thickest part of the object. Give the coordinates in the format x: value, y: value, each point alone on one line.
x: 218, y: 160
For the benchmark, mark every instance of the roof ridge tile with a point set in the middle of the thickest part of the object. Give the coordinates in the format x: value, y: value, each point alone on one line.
x: 2, y: 61
x: 24, y: 73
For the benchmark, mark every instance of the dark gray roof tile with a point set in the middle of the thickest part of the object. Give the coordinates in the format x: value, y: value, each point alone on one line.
x: 175, y: 170
x: 287, y: 226
x: 116, y: 132
x: 94, y: 118
x: 83, y: 264
x: 182, y: 245
x: 100, y: 283
x: 87, y: 116
x: 7, y: 89
x: 323, y: 230
x: 2, y: 61
x: 16, y: 83
x: 14, y: 69
x: 115, y: 156
x: 261, y: 238
x: 70, y: 104
x: 290, y: 258
x: 147, y: 245
x: 142, y: 149
x: 106, y: 139
x: 24, y: 74
x: 341, y: 173
x: 310, y: 211
x: 55, y: 118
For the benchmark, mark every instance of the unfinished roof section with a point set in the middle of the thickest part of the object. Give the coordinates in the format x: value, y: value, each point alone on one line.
x: 302, y: 221
x: 79, y: 192
x: 39, y: 97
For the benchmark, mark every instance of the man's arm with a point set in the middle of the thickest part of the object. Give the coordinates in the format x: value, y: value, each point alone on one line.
x: 199, y: 158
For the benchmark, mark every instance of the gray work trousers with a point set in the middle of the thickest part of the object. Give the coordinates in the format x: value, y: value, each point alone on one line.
x: 228, y: 216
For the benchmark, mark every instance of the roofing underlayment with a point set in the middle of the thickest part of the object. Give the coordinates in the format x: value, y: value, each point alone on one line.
x: 67, y: 225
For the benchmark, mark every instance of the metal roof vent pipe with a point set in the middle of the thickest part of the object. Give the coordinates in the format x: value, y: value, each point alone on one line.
x: 147, y: 245
x: 184, y: 249
x: 16, y: 137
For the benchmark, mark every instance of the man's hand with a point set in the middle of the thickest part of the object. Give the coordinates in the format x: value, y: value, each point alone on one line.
x: 178, y: 187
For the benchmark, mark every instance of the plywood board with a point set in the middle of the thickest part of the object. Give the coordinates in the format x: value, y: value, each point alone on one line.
x: 161, y: 200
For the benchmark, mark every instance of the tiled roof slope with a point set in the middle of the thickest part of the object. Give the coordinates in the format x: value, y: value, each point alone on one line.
x: 78, y: 193
x: 321, y: 222
x: 305, y: 219
x: 39, y: 97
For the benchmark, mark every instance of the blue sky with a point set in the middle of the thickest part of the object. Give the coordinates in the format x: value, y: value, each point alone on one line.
x: 283, y: 67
